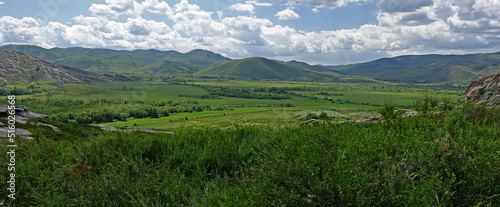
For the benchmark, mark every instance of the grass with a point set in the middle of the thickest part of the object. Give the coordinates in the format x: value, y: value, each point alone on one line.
x: 441, y: 159
x: 354, y: 99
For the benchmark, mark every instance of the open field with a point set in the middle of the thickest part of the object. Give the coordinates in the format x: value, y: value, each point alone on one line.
x: 339, y: 101
x: 243, y: 143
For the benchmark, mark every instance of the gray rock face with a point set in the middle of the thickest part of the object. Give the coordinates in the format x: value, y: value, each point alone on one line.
x: 485, y: 89
x: 17, y: 67
x: 110, y: 128
x: 22, y: 115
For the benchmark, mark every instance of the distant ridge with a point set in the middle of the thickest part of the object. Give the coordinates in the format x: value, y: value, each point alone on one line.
x: 262, y: 68
x: 123, y: 61
x: 461, y: 69
x: 426, y: 68
x: 18, y: 67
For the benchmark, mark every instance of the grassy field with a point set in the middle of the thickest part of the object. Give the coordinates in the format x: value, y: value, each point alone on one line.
x: 228, y: 150
x: 344, y: 101
x: 440, y: 159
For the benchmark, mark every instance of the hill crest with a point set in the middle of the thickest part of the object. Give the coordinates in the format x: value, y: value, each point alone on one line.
x: 263, y: 68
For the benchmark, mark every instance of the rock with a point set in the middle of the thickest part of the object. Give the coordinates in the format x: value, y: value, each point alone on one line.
x: 310, y: 121
x: 485, y: 89
x: 49, y: 125
x: 4, y: 133
x: 365, y: 119
x: 22, y: 115
x: 110, y: 128
x: 17, y: 67
x: 406, y: 112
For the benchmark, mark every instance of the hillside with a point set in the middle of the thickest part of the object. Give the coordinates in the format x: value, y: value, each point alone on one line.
x: 17, y: 67
x: 118, y: 61
x: 168, y: 68
x: 262, y: 68
x: 426, y: 68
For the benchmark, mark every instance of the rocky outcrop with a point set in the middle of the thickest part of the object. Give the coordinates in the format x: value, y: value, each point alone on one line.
x: 485, y: 89
x: 110, y: 128
x: 17, y: 67
x: 21, y: 116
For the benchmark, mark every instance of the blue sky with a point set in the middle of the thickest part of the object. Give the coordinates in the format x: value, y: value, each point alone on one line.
x: 328, y: 32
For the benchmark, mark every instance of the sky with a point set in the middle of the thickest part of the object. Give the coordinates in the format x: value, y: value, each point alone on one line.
x: 328, y: 32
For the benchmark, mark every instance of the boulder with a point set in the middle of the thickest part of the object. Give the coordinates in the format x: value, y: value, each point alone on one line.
x: 22, y: 115
x: 309, y: 122
x: 485, y: 89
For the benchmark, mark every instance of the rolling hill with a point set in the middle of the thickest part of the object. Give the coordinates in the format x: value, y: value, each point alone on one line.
x: 124, y: 61
x: 426, y: 68
x: 17, y: 67
x: 262, y: 68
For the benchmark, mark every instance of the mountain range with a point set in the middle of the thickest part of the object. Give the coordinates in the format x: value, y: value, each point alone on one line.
x: 403, y: 69
x: 426, y: 68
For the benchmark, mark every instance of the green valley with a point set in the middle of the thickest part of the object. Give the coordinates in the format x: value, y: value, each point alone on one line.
x: 195, y: 129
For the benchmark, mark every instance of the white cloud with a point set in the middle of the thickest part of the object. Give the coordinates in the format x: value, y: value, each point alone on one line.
x: 131, y: 8
x: 327, y: 4
x: 258, y: 3
x: 1, y: 2
x: 402, y: 6
x: 287, y: 14
x: 116, y: 8
x: 403, y: 28
x: 243, y: 8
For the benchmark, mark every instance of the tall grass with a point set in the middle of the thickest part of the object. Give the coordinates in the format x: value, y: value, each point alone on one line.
x: 441, y: 159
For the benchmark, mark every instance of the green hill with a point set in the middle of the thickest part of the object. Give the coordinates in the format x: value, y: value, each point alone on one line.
x: 262, y: 68
x: 197, y: 58
x: 168, y: 68
x: 124, y: 61
x: 426, y: 68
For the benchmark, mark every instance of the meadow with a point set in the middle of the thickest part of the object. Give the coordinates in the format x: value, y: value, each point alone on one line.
x: 233, y: 151
x: 167, y: 104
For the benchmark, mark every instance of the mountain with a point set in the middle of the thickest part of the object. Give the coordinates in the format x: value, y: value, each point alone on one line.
x: 17, y: 67
x: 168, y: 68
x: 124, y: 61
x: 262, y: 68
x: 426, y: 68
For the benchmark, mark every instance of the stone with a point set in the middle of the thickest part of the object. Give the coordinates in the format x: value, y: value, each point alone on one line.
x: 22, y: 115
x: 4, y: 132
x: 310, y: 121
x: 485, y: 89
x: 110, y: 128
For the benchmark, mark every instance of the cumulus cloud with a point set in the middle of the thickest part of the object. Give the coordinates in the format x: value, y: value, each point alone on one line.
x: 116, y: 8
x: 327, y: 4
x: 243, y: 8
x: 403, y: 28
x: 1, y: 2
x: 258, y: 3
x: 402, y: 6
x: 287, y: 14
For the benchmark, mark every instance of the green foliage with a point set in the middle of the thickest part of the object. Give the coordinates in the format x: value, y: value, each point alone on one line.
x: 108, y: 110
x: 389, y: 114
x: 245, y: 93
x: 448, y: 160
x: 311, y: 116
x: 426, y: 103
